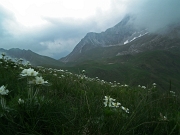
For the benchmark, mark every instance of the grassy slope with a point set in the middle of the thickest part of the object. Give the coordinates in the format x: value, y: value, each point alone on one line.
x: 73, y: 105
x: 144, y: 68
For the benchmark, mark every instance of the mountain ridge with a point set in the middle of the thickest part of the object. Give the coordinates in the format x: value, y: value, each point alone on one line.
x: 124, y: 35
x: 28, y: 55
x: 118, y: 34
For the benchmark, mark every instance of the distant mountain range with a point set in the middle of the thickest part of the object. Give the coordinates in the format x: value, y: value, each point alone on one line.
x: 34, y: 58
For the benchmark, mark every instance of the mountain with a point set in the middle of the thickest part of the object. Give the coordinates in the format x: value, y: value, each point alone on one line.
x: 34, y: 58
x: 122, y: 39
x: 122, y: 33
x: 148, y: 42
x: 130, y: 55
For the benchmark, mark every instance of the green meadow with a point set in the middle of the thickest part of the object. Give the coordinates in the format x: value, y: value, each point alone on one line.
x: 47, y: 101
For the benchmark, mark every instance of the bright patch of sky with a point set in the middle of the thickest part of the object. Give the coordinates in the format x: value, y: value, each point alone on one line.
x: 32, y: 12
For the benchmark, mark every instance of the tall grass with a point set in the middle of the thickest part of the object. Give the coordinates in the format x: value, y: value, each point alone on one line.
x: 72, y: 104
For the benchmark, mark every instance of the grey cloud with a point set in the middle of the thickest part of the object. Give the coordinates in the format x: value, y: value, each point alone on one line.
x: 62, y: 29
x: 68, y: 32
x: 60, y: 36
x: 155, y: 14
x: 18, y: 36
x: 4, y: 17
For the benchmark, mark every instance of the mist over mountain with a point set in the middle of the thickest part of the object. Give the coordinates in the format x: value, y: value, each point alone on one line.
x: 155, y: 14
x: 154, y: 17
x: 126, y: 34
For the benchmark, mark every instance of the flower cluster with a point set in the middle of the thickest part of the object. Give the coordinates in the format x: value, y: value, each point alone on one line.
x: 143, y: 87
x: 173, y: 93
x: 3, y: 90
x: 110, y: 102
x: 20, y: 101
x: 154, y: 85
x: 163, y: 118
x: 83, y: 71
x: 29, y: 72
x: 40, y: 80
x: 125, y: 109
x: 63, y: 74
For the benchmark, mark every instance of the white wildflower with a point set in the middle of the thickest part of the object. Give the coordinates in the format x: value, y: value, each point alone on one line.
x: 154, y: 85
x: 55, y: 74
x: 40, y: 80
x: 83, y: 71
x: 20, y: 101
x: 21, y: 68
x: 163, y: 118
x: 125, y: 109
x: 3, y: 90
x: 108, y: 101
x: 29, y: 72
x: 117, y: 104
x: 172, y: 93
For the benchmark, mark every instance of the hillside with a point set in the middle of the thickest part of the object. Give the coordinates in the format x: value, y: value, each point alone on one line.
x: 144, y: 68
x: 133, y: 56
x: 34, y: 58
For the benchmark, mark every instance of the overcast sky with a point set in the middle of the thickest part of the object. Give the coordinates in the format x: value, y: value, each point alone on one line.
x: 54, y: 27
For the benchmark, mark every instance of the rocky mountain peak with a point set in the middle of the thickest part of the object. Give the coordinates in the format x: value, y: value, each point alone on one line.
x: 122, y: 32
